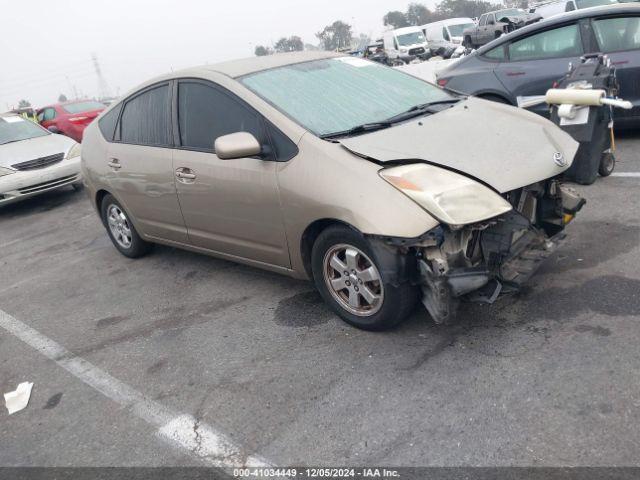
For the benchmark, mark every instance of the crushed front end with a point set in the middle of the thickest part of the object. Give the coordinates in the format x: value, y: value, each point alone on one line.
x: 481, y: 260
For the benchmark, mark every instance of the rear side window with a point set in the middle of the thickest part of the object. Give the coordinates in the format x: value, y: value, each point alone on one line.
x: 445, y: 34
x: 108, y: 122
x: 569, y: 7
x: 206, y: 113
x: 615, y: 34
x: 146, y: 118
x: 557, y: 43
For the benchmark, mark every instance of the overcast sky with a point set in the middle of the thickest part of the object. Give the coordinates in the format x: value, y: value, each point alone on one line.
x: 46, y: 46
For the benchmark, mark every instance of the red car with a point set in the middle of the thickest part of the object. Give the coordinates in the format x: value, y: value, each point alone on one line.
x: 70, y: 118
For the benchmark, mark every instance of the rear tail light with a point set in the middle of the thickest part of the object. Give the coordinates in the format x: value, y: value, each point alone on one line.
x: 443, y: 82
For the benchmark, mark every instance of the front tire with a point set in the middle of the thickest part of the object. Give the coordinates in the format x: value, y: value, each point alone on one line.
x: 349, y: 278
x: 121, y: 231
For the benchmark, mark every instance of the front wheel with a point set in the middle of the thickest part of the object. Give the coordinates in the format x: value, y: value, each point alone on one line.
x: 349, y: 278
x: 121, y: 231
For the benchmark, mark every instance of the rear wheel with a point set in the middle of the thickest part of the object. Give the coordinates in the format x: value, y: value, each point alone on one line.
x: 348, y: 276
x: 607, y: 164
x: 121, y: 231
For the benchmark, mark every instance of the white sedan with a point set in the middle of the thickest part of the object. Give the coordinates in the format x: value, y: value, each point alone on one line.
x: 34, y: 160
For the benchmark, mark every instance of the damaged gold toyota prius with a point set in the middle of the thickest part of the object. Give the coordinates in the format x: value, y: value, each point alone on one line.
x: 382, y: 188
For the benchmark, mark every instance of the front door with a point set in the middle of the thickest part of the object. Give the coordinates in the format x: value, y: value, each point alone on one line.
x: 229, y: 206
x: 140, y: 162
x: 619, y: 38
x: 536, y: 61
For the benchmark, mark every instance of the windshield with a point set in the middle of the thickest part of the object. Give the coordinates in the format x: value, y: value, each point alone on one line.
x: 14, y: 129
x: 335, y: 95
x: 83, y: 107
x: 456, y: 30
x: 594, y: 3
x: 410, y: 38
x: 510, y: 12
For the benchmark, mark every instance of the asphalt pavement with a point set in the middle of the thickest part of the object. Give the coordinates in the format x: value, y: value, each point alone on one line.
x: 183, y: 359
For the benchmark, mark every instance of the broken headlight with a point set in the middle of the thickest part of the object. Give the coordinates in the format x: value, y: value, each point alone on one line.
x: 451, y: 198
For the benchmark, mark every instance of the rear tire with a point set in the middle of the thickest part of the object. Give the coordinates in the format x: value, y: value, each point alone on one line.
x: 120, y: 229
x: 78, y: 186
x: 349, y: 279
x: 607, y: 164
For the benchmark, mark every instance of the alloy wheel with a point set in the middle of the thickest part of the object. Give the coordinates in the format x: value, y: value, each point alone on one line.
x: 353, y: 280
x: 119, y: 226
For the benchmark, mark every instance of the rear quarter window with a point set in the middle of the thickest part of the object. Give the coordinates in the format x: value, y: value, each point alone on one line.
x: 108, y: 122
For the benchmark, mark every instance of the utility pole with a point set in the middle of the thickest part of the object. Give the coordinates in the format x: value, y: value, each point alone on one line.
x: 103, y: 88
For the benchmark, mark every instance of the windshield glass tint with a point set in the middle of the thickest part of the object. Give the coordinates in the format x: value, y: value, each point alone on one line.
x: 456, y: 30
x: 334, y: 95
x: 14, y: 129
x: 410, y: 39
x: 83, y: 107
x: 594, y: 3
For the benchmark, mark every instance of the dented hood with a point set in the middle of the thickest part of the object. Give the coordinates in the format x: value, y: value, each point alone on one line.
x: 502, y: 146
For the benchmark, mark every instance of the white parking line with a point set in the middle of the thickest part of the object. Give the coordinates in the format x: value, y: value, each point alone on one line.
x: 183, y: 430
x: 626, y: 174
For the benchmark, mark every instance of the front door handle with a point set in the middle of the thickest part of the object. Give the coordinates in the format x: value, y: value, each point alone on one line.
x: 114, y: 163
x: 185, y: 174
x: 515, y: 74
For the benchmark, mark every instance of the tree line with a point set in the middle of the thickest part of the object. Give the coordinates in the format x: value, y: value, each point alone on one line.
x: 340, y: 35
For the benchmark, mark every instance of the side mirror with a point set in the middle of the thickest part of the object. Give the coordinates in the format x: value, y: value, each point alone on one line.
x: 237, y: 145
x: 53, y: 129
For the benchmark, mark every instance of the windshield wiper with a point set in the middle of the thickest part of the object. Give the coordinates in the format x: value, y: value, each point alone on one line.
x: 417, y: 110
x: 364, y: 128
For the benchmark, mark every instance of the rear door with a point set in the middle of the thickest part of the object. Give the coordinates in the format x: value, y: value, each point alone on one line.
x: 140, y: 162
x: 536, y: 61
x: 619, y: 37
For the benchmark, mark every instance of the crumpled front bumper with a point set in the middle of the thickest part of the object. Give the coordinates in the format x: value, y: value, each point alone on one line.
x: 479, y: 262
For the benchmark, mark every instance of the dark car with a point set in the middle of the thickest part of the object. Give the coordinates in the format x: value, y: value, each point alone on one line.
x: 492, y: 25
x: 528, y: 61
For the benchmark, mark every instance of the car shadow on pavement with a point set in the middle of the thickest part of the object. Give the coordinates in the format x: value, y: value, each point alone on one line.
x: 41, y: 203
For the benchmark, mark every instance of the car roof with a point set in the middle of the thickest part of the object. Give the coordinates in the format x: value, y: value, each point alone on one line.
x: 402, y: 30
x: 622, y: 8
x: 448, y: 21
x: 246, y: 66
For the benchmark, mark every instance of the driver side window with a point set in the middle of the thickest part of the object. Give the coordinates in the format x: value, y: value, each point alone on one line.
x: 483, y: 20
x: 206, y: 113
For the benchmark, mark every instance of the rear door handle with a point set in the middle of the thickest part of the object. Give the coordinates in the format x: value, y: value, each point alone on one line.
x: 515, y: 74
x: 114, y: 163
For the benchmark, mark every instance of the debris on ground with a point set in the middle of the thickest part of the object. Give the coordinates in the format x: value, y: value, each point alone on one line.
x: 18, y: 399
